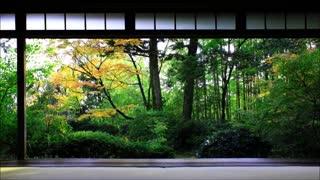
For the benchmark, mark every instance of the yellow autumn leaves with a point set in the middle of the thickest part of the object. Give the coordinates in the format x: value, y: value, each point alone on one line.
x: 94, y: 65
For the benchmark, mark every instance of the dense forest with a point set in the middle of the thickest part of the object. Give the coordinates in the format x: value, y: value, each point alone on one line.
x: 164, y: 98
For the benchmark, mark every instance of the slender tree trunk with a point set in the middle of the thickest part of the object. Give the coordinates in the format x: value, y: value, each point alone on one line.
x: 217, y: 99
x: 198, y: 105
x: 225, y: 84
x: 205, y: 97
x: 154, y: 75
x: 223, y: 103
x: 145, y: 102
x: 237, y: 95
x: 214, y: 97
x: 149, y: 92
x: 189, y: 83
x: 214, y: 107
x: 244, y: 101
x: 108, y: 96
x: 249, y: 92
x: 229, y: 104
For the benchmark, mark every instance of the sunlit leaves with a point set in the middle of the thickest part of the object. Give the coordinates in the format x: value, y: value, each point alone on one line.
x: 92, y: 69
x: 98, y: 113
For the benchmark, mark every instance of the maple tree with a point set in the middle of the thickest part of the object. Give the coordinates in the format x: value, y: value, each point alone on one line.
x: 96, y: 67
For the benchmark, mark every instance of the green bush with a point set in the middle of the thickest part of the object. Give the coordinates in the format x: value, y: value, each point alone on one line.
x: 233, y: 142
x: 8, y: 142
x: 141, y: 129
x: 88, y: 144
x: 147, y: 126
x: 146, y: 150
x: 43, y: 132
x: 190, y: 134
x: 87, y: 125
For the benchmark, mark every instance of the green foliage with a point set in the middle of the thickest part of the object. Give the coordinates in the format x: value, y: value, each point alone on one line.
x: 273, y: 46
x: 88, y: 144
x: 183, y: 65
x: 148, y: 126
x: 88, y: 125
x: 8, y: 143
x: 8, y: 90
x: 43, y: 131
x: 289, y: 115
x: 45, y: 126
x: 188, y: 135
x: 273, y: 92
x: 233, y: 142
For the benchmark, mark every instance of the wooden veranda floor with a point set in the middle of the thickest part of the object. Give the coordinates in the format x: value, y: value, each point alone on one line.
x: 158, y: 169
x: 203, y: 162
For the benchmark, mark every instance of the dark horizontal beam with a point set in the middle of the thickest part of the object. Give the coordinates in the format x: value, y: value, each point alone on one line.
x: 166, y: 34
x: 156, y: 5
x: 8, y: 34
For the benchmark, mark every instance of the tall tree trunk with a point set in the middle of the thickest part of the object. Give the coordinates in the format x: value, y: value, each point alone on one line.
x: 149, y: 91
x: 244, y: 96
x: 198, y: 105
x: 154, y: 75
x: 229, y: 104
x: 237, y: 94
x: 217, y: 96
x: 249, y: 93
x: 188, y: 98
x: 205, y: 96
x: 223, y: 103
x: 226, y: 75
x: 189, y: 83
x: 215, y: 110
x: 225, y: 84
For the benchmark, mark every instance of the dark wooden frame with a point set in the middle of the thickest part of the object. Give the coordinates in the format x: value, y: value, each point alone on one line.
x: 21, y: 7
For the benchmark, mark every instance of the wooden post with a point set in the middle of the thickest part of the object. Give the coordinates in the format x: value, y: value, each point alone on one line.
x: 21, y: 85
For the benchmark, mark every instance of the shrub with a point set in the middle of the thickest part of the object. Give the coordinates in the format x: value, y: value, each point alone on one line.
x: 147, y: 126
x: 87, y: 125
x: 43, y: 132
x: 8, y: 144
x: 233, y: 142
x: 190, y: 134
x: 88, y: 144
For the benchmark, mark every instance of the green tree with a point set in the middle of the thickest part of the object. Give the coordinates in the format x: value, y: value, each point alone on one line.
x: 290, y: 112
x: 8, y: 93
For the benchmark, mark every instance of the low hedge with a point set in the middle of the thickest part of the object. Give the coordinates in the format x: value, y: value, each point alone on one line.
x: 87, y: 125
x: 88, y: 144
x: 233, y: 142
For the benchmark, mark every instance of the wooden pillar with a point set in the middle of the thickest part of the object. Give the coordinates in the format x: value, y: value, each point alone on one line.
x: 241, y: 23
x: 130, y: 22
x: 21, y: 85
